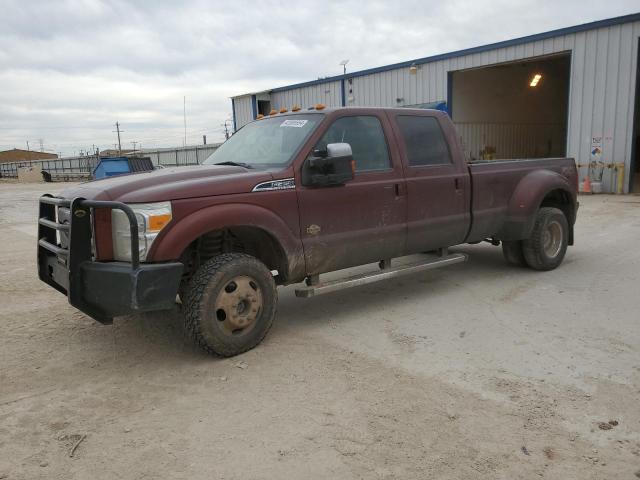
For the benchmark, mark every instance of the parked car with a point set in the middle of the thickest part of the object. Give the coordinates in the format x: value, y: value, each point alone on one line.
x: 286, y: 199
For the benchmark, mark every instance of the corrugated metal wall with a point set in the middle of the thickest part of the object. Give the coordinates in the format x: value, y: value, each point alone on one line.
x: 601, y: 96
x: 243, y: 110
x: 603, y: 71
x: 327, y: 93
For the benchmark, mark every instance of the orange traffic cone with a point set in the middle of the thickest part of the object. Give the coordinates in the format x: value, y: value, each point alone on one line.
x: 586, y: 185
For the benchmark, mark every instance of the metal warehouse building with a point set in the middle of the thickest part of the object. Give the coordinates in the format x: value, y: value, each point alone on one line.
x: 569, y: 92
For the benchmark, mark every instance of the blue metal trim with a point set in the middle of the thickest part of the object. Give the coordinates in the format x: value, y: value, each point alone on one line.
x: 344, y: 100
x: 459, y: 53
x: 233, y: 111
x: 254, y: 106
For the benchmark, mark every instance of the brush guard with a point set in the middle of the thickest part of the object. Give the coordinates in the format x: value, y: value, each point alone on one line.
x: 102, y: 290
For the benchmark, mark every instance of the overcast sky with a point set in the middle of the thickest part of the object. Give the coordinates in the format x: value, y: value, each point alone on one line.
x: 70, y: 69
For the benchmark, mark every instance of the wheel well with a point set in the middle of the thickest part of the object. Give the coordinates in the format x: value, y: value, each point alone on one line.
x: 561, y: 199
x: 251, y: 240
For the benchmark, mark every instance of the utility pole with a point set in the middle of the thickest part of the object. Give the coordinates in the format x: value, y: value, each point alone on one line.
x: 226, y: 130
x: 28, y: 149
x: 204, y: 139
x: 184, y: 113
x: 134, y: 146
x: 41, y: 145
x: 119, y: 144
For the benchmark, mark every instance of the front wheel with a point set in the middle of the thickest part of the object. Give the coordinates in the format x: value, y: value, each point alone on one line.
x: 546, y: 247
x: 231, y: 304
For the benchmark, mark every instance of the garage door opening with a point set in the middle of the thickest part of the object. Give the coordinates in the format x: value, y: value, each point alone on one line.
x: 634, y: 181
x: 513, y: 110
x: 264, y: 107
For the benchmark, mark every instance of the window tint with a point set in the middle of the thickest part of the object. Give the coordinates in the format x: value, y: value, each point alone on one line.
x: 424, y: 141
x: 366, y: 137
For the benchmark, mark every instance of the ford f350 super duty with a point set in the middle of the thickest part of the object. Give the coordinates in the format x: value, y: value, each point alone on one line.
x: 290, y: 197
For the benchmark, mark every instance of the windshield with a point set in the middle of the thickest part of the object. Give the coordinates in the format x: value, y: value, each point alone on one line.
x: 267, y: 143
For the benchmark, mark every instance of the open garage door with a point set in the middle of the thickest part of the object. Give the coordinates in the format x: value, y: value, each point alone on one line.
x: 634, y: 182
x: 513, y: 110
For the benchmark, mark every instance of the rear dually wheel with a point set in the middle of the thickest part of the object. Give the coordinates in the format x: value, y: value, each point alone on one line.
x: 547, y: 245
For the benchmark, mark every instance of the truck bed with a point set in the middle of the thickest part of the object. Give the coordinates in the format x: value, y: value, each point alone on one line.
x: 493, y: 183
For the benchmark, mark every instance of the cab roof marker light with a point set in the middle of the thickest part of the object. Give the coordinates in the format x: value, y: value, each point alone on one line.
x: 320, y: 106
x: 260, y: 116
x: 283, y: 110
x: 296, y: 108
x: 273, y: 112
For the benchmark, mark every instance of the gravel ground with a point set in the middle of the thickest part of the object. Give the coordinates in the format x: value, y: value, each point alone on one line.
x: 476, y: 371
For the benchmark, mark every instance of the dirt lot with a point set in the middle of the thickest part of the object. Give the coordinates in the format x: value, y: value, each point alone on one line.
x: 476, y: 371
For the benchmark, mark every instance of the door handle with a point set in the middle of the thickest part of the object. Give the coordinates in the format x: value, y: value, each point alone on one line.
x: 400, y: 189
x: 457, y: 182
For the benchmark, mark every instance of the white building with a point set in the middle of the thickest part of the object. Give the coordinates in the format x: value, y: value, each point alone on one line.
x: 584, y: 105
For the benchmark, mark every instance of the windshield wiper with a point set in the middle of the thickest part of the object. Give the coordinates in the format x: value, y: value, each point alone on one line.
x: 235, y: 164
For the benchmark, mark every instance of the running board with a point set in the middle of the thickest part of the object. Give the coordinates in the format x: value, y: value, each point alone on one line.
x: 363, y: 279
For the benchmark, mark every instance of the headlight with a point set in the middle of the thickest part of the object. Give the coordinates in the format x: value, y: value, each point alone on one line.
x: 152, y: 217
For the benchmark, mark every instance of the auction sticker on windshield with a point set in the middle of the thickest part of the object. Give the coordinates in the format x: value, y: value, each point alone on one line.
x: 294, y: 123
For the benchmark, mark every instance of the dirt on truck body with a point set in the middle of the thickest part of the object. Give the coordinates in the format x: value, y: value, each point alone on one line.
x: 286, y: 199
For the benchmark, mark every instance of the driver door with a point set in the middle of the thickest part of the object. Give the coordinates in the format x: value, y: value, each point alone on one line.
x: 364, y: 220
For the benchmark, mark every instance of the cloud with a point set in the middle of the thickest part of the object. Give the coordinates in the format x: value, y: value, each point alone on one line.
x: 71, y: 69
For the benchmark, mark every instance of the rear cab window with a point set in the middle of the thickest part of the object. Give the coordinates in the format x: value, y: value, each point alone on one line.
x: 424, y: 141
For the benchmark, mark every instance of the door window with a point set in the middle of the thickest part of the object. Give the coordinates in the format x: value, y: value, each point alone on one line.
x: 424, y: 141
x: 367, y: 140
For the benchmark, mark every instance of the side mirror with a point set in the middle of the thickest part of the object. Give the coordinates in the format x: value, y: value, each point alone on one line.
x: 336, y: 168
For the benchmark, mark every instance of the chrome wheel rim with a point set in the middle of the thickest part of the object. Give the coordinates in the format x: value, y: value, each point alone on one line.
x: 552, y: 239
x: 238, y: 305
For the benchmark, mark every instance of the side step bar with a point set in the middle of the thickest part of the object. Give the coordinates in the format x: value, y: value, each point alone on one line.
x: 365, y: 278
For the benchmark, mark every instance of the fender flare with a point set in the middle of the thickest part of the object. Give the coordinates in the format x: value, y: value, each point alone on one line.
x: 526, y: 200
x: 173, y: 241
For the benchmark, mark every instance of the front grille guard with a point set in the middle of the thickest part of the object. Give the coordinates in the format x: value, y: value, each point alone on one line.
x: 59, y: 266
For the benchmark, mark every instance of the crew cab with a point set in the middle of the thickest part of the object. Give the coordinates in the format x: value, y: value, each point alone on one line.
x: 286, y: 199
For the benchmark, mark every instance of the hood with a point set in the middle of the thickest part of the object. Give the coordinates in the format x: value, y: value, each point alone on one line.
x: 170, y: 184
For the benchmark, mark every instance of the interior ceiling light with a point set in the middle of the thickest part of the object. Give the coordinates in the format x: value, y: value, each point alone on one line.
x: 534, y: 81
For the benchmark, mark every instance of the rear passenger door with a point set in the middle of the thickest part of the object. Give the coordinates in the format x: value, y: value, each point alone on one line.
x: 364, y: 220
x: 437, y: 188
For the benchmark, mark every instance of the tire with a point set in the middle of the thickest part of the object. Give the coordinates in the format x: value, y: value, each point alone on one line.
x: 513, y: 254
x: 231, y: 304
x: 547, y: 245
x: 183, y: 288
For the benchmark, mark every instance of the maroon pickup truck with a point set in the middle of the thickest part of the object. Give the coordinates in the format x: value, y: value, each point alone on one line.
x: 290, y: 197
